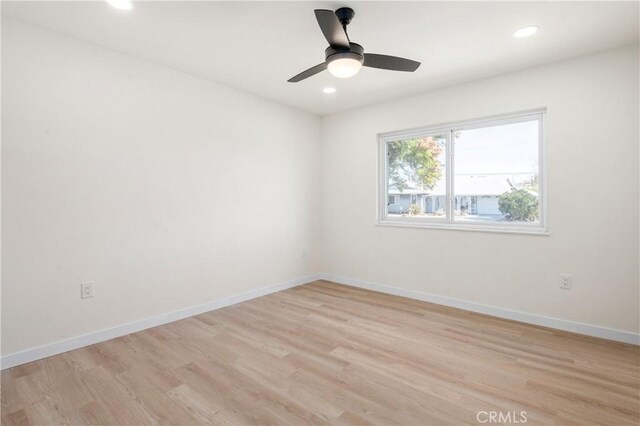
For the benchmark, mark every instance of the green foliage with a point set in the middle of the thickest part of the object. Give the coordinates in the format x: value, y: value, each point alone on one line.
x: 519, y: 205
x: 415, y: 161
x: 415, y: 209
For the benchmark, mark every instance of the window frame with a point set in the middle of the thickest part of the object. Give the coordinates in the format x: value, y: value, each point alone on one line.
x: 448, y: 221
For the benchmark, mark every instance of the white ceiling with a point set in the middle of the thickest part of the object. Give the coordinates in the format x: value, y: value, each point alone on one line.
x: 257, y: 46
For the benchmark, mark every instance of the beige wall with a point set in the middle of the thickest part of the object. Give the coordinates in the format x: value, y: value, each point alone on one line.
x: 592, y: 161
x: 166, y: 190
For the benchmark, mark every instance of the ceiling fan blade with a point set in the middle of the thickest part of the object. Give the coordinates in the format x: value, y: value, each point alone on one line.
x: 308, y: 73
x: 331, y: 28
x: 387, y: 62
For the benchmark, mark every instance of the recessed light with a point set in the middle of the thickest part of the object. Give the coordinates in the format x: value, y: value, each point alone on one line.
x: 121, y: 4
x: 329, y: 90
x: 526, y: 31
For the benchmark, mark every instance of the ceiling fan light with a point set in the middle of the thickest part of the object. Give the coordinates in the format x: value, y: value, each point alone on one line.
x: 344, y: 67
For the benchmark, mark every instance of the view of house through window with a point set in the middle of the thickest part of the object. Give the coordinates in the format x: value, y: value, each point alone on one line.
x: 479, y: 173
x: 416, y: 167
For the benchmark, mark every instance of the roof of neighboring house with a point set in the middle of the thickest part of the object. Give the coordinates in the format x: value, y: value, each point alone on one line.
x: 394, y: 191
x: 478, y: 184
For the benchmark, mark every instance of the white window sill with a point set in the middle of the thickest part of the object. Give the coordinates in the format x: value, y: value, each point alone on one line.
x: 475, y: 227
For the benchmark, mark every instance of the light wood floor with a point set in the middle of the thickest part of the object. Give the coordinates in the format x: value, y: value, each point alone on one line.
x: 326, y: 353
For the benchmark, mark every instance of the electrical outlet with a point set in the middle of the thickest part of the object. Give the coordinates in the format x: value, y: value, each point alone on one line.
x: 304, y: 253
x: 565, y: 281
x: 86, y: 290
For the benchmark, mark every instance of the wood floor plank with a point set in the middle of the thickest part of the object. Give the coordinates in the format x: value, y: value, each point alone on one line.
x: 325, y: 353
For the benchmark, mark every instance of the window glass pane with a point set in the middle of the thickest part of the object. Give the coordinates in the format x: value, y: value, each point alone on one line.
x: 417, y: 178
x: 496, y: 174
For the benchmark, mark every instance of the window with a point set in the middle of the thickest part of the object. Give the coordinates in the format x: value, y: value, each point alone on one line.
x: 475, y: 175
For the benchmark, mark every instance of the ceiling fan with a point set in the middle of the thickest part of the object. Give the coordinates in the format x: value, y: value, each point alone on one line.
x: 343, y: 58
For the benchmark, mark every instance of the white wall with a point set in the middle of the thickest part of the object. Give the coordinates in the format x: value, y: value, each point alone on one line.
x: 167, y: 190
x: 592, y: 158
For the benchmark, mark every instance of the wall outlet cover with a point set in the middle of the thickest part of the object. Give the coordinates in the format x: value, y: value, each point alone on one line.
x: 86, y: 290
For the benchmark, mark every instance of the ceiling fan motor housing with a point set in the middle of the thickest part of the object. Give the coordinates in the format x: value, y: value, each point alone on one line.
x: 355, y: 52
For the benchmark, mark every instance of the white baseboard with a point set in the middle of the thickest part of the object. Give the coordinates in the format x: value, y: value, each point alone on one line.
x: 33, y: 354
x: 560, y: 324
